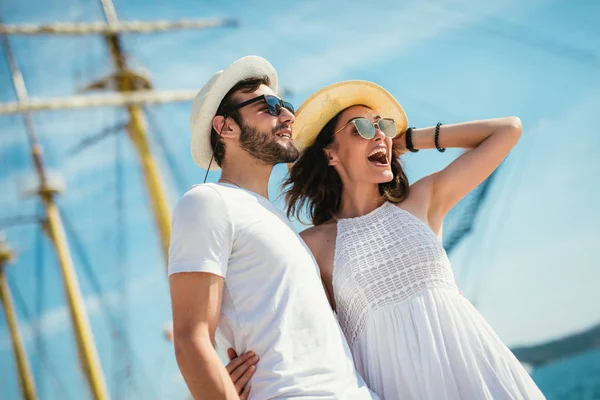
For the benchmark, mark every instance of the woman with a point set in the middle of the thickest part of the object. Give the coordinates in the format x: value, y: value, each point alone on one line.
x: 377, y: 241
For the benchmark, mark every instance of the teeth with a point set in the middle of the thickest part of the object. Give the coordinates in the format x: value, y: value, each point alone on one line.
x: 380, y: 150
x: 287, y: 135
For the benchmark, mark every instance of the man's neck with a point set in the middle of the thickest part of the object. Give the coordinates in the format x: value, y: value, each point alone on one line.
x: 248, y: 173
x: 359, y: 199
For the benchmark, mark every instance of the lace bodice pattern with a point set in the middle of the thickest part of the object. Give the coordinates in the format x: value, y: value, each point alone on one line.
x: 381, y: 259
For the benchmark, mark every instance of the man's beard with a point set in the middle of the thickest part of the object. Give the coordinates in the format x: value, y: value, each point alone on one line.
x: 264, y: 147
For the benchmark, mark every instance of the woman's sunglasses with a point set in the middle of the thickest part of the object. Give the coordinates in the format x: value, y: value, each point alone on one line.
x: 366, y: 128
x: 274, y: 104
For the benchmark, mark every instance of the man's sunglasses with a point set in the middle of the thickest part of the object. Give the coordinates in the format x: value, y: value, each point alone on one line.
x: 274, y: 104
x: 366, y: 128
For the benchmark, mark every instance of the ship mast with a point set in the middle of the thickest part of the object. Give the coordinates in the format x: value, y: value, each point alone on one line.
x: 133, y: 91
x: 26, y: 381
x: 54, y: 229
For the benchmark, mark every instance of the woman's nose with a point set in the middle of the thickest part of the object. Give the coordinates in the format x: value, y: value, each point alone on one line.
x: 379, y: 135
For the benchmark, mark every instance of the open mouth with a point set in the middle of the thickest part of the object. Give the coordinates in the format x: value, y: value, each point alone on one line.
x: 284, y: 134
x: 378, y: 157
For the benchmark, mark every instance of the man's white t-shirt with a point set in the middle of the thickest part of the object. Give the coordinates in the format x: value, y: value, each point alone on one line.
x: 273, y: 300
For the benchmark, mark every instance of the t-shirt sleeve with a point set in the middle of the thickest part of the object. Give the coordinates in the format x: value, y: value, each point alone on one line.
x: 201, y: 233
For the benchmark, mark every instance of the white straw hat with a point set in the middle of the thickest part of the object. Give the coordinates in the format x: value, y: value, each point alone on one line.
x: 209, y: 98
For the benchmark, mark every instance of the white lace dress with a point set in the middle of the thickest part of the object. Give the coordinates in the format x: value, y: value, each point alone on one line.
x: 412, y: 334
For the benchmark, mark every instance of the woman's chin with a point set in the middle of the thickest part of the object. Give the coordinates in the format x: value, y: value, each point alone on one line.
x: 383, y: 176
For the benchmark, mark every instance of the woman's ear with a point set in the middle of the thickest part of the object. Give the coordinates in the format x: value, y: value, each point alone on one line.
x: 224, y: 126
x: 331, y: 155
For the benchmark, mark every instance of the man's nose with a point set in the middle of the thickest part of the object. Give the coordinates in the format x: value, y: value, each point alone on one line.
x: 286, y: 116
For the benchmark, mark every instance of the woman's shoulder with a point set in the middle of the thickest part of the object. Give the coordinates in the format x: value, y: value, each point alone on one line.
x: 418, y: 202
x: 319, y: 232
x: 320, y: 237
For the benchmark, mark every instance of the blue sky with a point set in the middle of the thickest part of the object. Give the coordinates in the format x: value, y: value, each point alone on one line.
x: 530, y: 266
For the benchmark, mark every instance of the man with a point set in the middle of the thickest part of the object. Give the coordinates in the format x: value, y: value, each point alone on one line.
x: 239, y: 274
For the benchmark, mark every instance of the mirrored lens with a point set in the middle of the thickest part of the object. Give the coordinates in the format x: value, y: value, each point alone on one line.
x: 289, y: 107
x: 388, y: 127
x: 273, y: 105
x: 364, y: 127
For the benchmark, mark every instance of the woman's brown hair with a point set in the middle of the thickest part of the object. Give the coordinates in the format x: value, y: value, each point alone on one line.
x: 313, y: 183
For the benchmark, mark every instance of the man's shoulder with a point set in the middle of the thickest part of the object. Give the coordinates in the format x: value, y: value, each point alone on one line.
x: 205, y: 192
x: 205, y: 198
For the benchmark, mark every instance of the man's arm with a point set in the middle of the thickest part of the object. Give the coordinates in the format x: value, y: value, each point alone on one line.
x: 201, y: 243
x: 196, y: 302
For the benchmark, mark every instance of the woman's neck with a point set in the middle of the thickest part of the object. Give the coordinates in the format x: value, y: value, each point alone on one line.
x: 359, y: 199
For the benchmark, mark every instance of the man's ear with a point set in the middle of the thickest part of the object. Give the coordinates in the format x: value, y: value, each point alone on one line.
x: 224, y: 126
x: 331, y: 155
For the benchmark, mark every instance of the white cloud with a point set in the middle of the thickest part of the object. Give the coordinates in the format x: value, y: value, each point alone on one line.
x: 334, y: 41
x: 413, y: 24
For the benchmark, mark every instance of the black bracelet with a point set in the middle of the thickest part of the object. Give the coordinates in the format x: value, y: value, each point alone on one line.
x: 409, y: 144
x: 437, y: 138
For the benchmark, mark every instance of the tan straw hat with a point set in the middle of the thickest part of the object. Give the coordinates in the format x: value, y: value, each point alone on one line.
x: 209, y: 98
x: 325, y: 104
